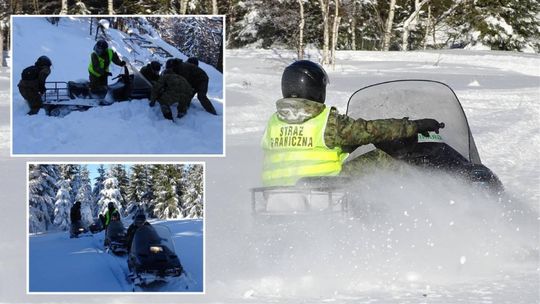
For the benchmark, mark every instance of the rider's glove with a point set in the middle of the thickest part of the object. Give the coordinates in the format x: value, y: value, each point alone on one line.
x: 425, y: 125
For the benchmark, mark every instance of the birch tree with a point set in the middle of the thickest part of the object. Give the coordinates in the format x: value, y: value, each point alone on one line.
x: 1, y: 43
x: 110, y: 8
x: 64, y: 9
x: 214, y: 7
x: 301, y: 25
x: 183, y: 7
x: 389, y: 25
x: 335, y: 28
x: 407, y: 24
x: 325, y: 5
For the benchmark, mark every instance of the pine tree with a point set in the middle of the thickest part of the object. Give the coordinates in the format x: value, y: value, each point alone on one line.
x: 84, y: 195
x: 63, y: 205
x: 98, y: 187
x: 166, y: 199
x: 71, y: 172
x: 119, y: 173
x: 110, y: 193
x: 194, y: 194
x: 42, y: 191
x: 138, y: 188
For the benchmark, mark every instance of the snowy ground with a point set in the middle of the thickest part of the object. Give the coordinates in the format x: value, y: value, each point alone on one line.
x: 60, y: 264
x: 419, y: 250
x: 123, y: 128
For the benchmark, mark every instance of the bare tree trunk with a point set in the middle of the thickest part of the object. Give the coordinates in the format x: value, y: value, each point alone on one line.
x: 301, y: 31
x: 353, y: 26
x: 428, y: 26
x: 1, y: 45
x: 214, y: 7
x: 64, y: 9
x: 324, y: 9
x: 335, y: 30
x: 110, y: 8
x: 183, y: 7
x: 389, y: 24
x: 36, y: 7
x: 407, y: 25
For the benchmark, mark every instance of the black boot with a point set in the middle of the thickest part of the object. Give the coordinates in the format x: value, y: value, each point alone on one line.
x: 181, y: 114
x: 168, y: 115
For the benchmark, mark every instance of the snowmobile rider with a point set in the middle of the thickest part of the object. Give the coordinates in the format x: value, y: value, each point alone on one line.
x: 75, y: 217
x: 111, y: 211
x: 151, y: 71
x: 98, y: 68
x: 138, y: 222
x: 198, y: 79
x: 304, y: 137
x: 171, y: 88
x: 32, y: 83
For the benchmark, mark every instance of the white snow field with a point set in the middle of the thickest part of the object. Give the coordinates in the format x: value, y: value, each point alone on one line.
x: 431, y: 239
x: 60, y: 264
x: 122, y: 128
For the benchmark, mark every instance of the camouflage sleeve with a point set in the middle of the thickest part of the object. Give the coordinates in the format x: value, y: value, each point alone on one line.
x: 42, y: 78
x: 342, y: 130
x: 157, y: 89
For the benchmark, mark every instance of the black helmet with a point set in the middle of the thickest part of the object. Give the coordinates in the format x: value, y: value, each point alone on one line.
x: 193, y: 60
x: 304, y: 79
x: 170, y: 63
x: 77, y: 203
x: 155, y: 65
x: 110, y: 205
x: 140, y: 218
x: 100, y: 47
x: 43, y: 61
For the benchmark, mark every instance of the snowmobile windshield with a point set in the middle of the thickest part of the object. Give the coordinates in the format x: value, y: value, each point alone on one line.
x: 152, y: 237
x: 417, y: 99
x: 115, y: 228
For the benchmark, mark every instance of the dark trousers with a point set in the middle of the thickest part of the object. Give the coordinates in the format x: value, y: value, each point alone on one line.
x: 33, y: 98
x: 201, y: 90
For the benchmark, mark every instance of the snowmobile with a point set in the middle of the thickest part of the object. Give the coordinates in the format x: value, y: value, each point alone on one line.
x: 452, y: 149
x: 97, y: 225
x: 115, y: 238
x: 61, y: 98
x: 77, y: 229
x: 152, y: 258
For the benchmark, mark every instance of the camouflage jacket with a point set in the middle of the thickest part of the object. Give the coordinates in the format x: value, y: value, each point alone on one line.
x: 37, y: 85
x: 342, y: 130
x: 171, y: 88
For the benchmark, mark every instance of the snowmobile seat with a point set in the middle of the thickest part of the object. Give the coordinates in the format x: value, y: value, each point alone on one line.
x: 78, y: 89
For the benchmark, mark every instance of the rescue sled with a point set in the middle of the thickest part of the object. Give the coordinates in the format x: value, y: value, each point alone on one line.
x: 61, y: 98
x: 452, y: 150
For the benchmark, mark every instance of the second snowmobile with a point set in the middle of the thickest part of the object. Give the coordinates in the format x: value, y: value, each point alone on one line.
x: 115, y: 238
x: 152, y: 257
x: 77, y: 229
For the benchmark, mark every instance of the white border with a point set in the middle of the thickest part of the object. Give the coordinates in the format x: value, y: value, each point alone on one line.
x: 28, y: 292
x: 224, y: 120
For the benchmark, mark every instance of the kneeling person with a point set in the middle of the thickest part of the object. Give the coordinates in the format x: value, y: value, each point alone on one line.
x: 171, y: 88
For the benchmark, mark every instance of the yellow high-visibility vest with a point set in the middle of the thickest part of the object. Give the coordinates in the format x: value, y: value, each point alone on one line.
x: 293, y: 151
x: 101, y: 63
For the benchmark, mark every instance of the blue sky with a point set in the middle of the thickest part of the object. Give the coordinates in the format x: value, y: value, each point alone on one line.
x: 93, y: 169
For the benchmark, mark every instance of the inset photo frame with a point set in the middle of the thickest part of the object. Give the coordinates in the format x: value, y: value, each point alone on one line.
x: 116, y: 228
x: 118, y: 85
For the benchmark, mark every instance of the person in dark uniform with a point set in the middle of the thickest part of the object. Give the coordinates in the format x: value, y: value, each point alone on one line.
x: 171, y: 88
x: 32, y: 84
x: 198, y: 79
x: 75, y: 217
x: 151, y: 71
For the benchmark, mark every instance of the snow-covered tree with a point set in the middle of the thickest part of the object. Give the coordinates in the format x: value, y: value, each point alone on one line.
x: 71, y: 172
x: 63, y: 205
x: 110, y: 193
x: 193, y: 196
x: 84, y: 195
x: 165, y: 192
x: 98, y: 186
x: 118, y: 171
x: 139, y: 187
x: 42, y: 192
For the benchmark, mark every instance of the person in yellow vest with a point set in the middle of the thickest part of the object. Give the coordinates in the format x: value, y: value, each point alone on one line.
x: 304, y: 137
x: 98, y: 68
